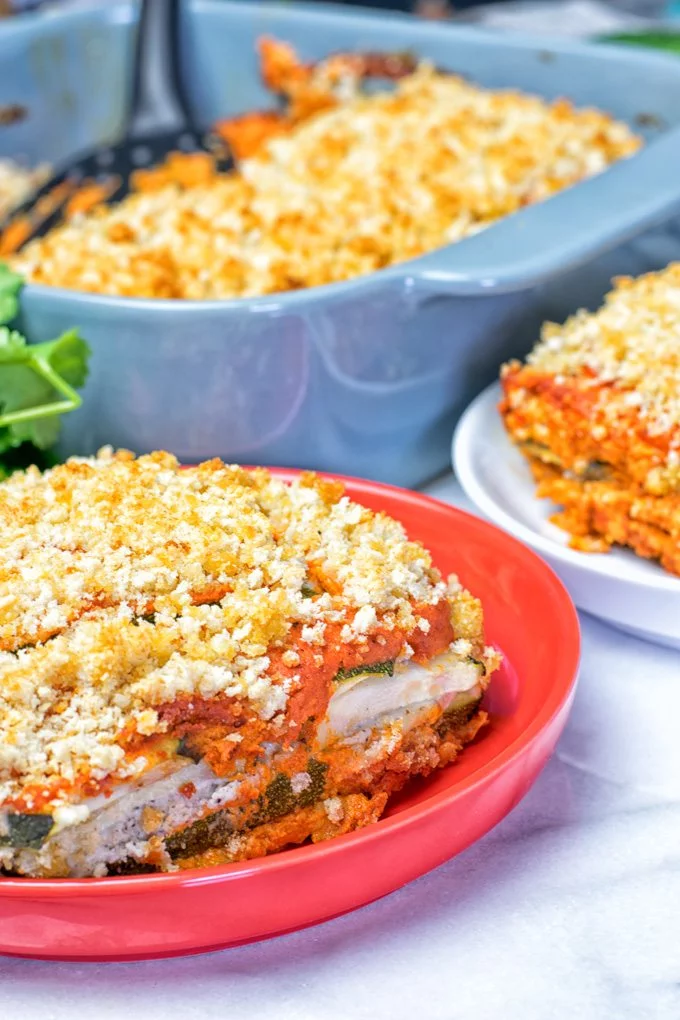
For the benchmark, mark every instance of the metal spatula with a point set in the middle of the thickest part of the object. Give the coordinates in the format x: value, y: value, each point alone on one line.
x: 159, y: 122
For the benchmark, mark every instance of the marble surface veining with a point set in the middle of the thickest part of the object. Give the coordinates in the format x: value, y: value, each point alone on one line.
x: 569, y: 909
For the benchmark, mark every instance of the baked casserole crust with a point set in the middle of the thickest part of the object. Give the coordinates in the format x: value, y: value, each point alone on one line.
x: 343, y: 183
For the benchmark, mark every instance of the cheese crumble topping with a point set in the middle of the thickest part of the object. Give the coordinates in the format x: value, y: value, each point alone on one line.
x: 126, y: 583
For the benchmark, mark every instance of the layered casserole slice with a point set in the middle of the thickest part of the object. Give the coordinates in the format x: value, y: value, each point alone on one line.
x: 596, y: 410
x: 206, y: 665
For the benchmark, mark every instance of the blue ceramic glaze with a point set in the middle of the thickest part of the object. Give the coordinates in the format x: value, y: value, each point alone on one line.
x: 71, y: 70
x: 365, y: 377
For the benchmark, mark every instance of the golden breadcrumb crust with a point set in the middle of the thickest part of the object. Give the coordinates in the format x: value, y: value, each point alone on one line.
x: 343, y: 184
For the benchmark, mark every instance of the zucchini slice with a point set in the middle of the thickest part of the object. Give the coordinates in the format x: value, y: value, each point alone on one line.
x: 277, y: 800
x: 459, y: 711
x: 479, y: 663
x: 541, y: 451
x: 211, y: 831
x: 596, y: 471
x: 26, y: 832
x: 387, y: 668
x: 317, y: 772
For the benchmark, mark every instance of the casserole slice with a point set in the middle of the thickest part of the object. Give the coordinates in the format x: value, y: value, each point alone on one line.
x: 206, y: 665
x: 596, y: 410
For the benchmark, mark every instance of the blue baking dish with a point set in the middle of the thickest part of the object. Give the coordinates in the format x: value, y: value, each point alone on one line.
x: 365, y: 377
x: 71, y: 71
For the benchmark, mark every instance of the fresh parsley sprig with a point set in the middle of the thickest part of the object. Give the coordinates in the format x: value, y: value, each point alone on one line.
x: 37, y: 382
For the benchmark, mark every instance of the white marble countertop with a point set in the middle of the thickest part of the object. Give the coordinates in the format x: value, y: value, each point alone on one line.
x: 569, y: 909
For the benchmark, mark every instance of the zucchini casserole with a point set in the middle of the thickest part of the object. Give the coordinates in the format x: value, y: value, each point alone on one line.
x: 342, y: 182
x: 596, y: 410
x: 207, y: 665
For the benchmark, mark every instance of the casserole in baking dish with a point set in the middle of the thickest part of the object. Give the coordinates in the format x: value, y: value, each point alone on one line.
x: 368, y: 375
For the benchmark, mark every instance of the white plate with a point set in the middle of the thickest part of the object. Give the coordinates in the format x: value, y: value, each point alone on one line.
x: 633, y: 594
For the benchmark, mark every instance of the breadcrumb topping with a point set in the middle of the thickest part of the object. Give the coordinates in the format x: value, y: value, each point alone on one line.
x: 126, y: 583
x: 352, y: 183
x: 630, y: 347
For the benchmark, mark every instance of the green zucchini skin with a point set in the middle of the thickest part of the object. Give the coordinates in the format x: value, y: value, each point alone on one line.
x: 130, y: 866
x: 214, y: 830
x: 386, y: 668
x: 459, y: 713
x: 27, y: 832
x: 539, y: 450
x: 478, y: 662
x: 317, y: 771
x: 596, y: 471
x: 277, y: 800
x: 185, y: 750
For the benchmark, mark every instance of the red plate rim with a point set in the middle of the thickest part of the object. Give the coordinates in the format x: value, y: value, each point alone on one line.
x: 565, y: 678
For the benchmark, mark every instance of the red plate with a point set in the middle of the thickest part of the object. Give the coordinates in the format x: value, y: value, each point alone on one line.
x: 529, y: 616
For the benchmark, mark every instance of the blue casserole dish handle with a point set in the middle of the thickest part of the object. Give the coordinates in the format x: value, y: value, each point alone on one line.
x: 553, y: 236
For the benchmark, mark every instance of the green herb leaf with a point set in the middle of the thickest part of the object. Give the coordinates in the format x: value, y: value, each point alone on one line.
x: 10, y: 285
x: 37, y: 385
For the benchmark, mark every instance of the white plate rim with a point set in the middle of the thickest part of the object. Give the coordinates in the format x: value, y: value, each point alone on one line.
x: 461, y: 454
